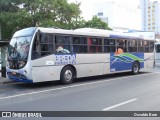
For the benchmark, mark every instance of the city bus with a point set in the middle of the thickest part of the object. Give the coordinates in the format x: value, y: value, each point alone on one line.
x: 38, y: 54
x: 157, y: 54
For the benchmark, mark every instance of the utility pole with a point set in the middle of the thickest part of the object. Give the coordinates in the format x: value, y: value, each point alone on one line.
x: 3, y: 50
x: 0, y: 32
x: 0, y: 52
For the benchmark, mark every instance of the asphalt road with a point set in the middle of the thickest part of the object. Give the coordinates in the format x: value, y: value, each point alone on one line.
x: 118, y: 92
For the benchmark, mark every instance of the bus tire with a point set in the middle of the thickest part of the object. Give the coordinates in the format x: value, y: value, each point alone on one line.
x: 67, y: 75
x: 135, y: 68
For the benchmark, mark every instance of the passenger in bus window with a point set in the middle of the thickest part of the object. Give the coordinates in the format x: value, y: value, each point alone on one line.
x: 60, y: 49
x: 119, y: 51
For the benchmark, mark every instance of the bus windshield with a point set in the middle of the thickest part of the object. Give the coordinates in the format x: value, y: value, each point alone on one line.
x: 19, y: 48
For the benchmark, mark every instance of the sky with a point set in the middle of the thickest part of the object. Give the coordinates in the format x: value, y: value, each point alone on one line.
x: 87, y: 6
x: 88, y: 10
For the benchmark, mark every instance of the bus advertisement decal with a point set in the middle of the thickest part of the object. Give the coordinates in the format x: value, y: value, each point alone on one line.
x: 123, y: 61
x: 63, y: 59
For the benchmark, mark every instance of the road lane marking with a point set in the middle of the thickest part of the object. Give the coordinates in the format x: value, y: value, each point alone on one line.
x: 120, y: 104
x: 72, y: 86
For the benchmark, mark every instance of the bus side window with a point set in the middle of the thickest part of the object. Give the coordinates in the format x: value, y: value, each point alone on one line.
x: 95, y: 45
x: 36, y: 47
x: 43, y: 45
x: 62, y: 44
x: 151, y: 49
x: 132, y: 46
x: 140, y: 46
x: 109, y: 45
x: 121, y: 43
x: 79, y: 44
x: 146, y: 46
x: 46, y: 43
x: 61, y: 49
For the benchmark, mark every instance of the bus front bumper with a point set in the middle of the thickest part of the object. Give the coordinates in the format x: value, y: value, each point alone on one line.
x: 18, y: 77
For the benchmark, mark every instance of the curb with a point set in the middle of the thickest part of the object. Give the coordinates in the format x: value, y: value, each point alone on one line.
x: 5, y: 81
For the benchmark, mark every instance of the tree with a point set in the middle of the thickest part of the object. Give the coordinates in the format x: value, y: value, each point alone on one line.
x: 11, y: 18
x: 96, y: 22
x: 18, y: 14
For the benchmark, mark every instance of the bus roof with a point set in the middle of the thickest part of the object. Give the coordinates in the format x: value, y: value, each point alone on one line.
x: 74, y: 32
x: 157, y: 43
x: 86, y: 32
x: 25, y: 32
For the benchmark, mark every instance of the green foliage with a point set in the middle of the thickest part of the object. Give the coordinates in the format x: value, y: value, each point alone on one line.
x: 18, y: 14
x: 97, y: 23
x: 9, y: 5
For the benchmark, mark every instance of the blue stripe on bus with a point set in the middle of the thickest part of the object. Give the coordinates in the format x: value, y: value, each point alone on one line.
x: 20, y: 80
x: 129, y: 37
x: 120, y: 65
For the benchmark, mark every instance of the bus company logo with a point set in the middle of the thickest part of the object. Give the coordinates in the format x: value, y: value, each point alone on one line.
x: 65, y: 59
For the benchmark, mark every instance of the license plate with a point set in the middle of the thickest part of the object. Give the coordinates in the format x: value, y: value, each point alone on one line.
x: 13, y: 73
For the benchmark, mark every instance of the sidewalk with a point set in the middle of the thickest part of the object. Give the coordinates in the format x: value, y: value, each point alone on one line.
x: 155, y: 69
x: 5, y: 81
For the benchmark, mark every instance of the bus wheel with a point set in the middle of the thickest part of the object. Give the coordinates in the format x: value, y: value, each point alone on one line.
x: 135, y: 68
x: 67, y: 75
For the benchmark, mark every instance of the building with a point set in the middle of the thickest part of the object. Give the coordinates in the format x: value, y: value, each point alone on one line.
x: 118, y: 15
x: 150, y: 15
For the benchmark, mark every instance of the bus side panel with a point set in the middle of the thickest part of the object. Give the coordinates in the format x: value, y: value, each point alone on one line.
x: 91, y: 64
x: 106, y: 66
x: 45, y: 73
x: 157, y: 59
x: 85, y: 70
x: 149, y: 60
x: 49, y: 68
x: 124, y: 61
x: 44, y: 69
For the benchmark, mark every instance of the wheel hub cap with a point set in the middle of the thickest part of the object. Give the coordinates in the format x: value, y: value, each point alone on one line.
x: 68, y: 75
